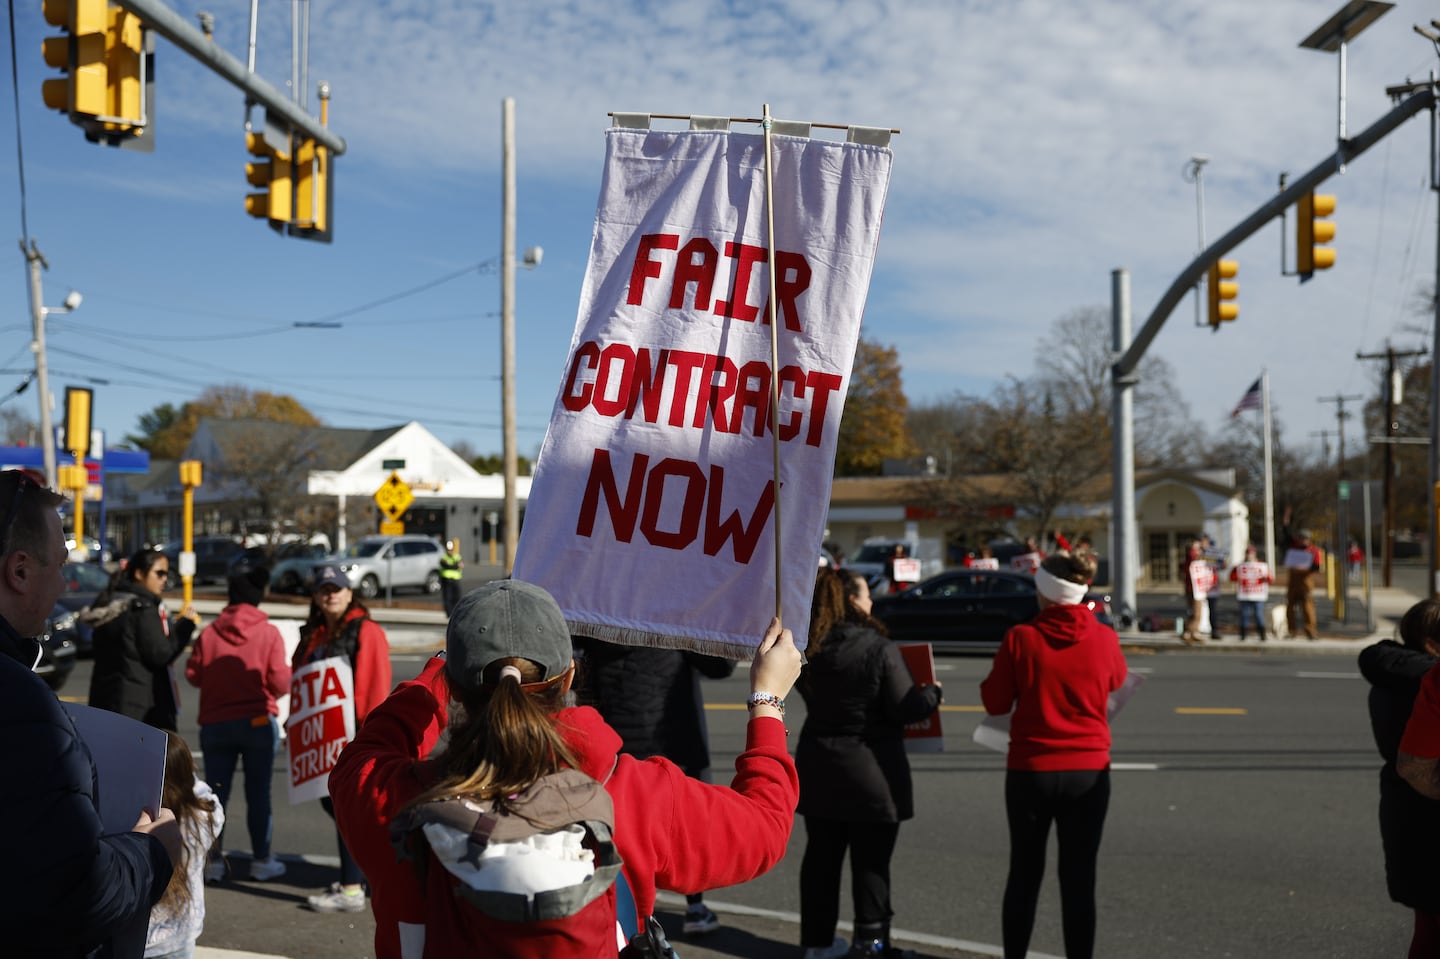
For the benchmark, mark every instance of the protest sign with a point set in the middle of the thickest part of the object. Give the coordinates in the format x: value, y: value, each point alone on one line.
x: 1202, y: 577
x: 651, y: 513
x: 925, y: 736
x: 322, y: 721
x: 906, y: 570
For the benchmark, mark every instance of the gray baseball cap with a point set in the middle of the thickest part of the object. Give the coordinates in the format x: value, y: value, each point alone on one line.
x: 502, y: 619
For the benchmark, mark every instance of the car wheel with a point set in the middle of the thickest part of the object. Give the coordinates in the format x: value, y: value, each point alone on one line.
x: 432, y: 582
x: 369, y: 587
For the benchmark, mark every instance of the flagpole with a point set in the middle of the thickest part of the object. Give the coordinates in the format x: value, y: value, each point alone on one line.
x: 774, y: 352
x: 1269, y: 474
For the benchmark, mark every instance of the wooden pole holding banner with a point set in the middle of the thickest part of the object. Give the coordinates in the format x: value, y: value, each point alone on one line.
x: 774, y: 348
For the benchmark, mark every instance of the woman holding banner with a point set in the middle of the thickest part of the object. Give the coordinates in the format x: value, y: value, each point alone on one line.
x: 1054, y: 676
x: 855, y: 785
x: 340, y: 626
x: 502, y: 686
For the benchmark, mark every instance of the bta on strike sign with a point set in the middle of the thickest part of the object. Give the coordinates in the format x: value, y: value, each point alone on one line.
x: 322, y: 721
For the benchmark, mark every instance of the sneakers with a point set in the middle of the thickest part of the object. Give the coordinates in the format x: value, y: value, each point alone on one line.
x: 267, y: 868
x: 214, y: 870
x: 336, y: 899
x: 699, y: 920
x: 835, y: 950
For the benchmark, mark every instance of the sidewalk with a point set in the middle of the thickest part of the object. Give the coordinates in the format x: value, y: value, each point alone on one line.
x: 1351, y: 635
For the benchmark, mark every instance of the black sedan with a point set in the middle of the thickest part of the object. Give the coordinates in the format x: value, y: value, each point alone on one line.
x: 83, y: 582
x: 57, y: 647
x: 967, y: 608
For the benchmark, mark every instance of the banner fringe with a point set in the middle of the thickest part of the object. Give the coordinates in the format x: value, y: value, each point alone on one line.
x: 627, y: 636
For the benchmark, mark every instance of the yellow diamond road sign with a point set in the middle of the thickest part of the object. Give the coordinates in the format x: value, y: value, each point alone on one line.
x: 394, y: 497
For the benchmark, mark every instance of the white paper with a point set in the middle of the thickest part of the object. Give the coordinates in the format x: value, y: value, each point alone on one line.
x: 129, y: 759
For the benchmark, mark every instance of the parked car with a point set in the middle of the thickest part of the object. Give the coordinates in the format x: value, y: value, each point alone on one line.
x: 83, y: 582
x: 375, y: 562
x: 968, y: 608
x: 212, y: 558
x: 94, y: 552
x: 57, y: 647
x: 292, y: 567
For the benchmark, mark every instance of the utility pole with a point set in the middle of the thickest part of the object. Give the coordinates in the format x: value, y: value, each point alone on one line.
x: 1324, y: 442
x: 507, y: 330
x: 1340, y: 417
x: 1392, y: 398
x: 36, y: 262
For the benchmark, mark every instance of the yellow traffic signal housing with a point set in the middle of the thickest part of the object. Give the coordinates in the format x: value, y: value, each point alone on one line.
x: 80, y: 54
x: 1310, y: 231
x: 273, y: 173
x: 106, y: 55
x: 313, y: 191
x: 1223, y: 290
x: 191, y: 472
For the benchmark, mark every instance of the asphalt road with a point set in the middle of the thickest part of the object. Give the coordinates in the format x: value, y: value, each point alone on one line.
x: 1242, y: 824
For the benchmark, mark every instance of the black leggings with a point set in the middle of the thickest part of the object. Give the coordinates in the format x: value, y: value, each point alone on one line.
x: 871, y: 845
x: 1076, y: 801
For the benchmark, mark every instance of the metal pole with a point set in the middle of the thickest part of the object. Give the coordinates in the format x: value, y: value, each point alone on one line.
x: 173, y: 27
x: 42, y: 372
x: 1435, y: 400
x: 1369, y: 565
x: 1124, y: 552
x: 305, y: 57
x: 254, y: 16
x: 1389, y: 486
x: 507, y: 330
x: 295, y: 50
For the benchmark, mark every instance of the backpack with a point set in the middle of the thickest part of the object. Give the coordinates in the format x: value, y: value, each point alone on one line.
x: 542, y: 854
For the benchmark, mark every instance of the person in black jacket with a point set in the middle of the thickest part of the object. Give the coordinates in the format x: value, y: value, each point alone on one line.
x: 135, y: 642
x: 652, y: 698
x: 69, y: 891
x: 1409, y: 822
x: 855, y: 785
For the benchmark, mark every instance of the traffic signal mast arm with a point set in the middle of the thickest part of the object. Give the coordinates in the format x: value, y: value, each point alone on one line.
x: 1124, y: 367
x: 174, y: 28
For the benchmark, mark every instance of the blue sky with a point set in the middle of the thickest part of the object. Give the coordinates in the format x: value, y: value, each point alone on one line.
x: 1043, y: 146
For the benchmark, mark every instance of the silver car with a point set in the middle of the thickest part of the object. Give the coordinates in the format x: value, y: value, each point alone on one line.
x: 377, y: 562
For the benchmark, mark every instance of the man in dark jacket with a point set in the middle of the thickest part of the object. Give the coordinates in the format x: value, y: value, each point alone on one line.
x: 652, y: 698
x: 70, y: 891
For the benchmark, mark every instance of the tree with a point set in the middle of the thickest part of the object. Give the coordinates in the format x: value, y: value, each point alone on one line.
x: 264, y: 465
x: 873, y: 428
x: 166, y: 431
x: 17, y: 427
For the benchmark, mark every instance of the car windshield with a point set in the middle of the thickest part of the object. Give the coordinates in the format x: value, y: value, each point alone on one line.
x: 875, y: 553
x: 364, y: 548
x: 84, y: 578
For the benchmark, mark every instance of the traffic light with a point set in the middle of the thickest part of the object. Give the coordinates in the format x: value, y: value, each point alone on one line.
x: 1223, y: 290
x: 1311, y: 230
x: 80, y: 54
x: 314, y: 190
x: 272, y: 173
x: 106, y: 55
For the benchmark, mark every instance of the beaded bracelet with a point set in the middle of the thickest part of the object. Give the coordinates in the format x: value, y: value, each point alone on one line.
x: 765, y: 699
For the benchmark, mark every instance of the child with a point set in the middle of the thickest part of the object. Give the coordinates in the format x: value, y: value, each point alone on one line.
x: 178, y: 918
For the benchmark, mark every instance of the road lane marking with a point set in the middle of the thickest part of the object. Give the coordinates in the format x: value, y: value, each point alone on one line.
x: 1135, y: 767
x: 920, y: 938
x: 962, y: 709
x: 1312, y: 675
x: 1210, y: 711
x: 210, y: 952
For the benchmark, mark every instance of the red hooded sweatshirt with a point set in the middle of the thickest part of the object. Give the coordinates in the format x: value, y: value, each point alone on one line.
x: 239, y: 664
x: 1056, y: 672
x: 671, y: 830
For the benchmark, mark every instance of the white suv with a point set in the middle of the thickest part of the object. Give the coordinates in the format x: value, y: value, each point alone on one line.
x: 375, y: 562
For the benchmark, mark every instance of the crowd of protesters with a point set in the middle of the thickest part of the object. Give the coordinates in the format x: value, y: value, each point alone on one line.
x: 438, y: 795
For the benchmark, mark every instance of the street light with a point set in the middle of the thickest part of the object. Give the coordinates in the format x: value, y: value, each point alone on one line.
x: 42, y: 376
x: 1194, y: 172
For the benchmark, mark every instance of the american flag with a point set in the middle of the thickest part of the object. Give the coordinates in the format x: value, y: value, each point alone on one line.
x: 1250, y: 401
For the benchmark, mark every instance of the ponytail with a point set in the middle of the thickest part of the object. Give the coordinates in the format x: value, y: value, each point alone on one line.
x: 505, y: 738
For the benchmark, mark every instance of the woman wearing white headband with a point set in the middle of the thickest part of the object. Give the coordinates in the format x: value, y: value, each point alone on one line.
x: 1056, y: 674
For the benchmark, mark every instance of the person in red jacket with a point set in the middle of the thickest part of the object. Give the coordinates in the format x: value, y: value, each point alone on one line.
x: 239, y: 664
x: 340, y: 625
x: 507, y: 664
x: 1054, y: 675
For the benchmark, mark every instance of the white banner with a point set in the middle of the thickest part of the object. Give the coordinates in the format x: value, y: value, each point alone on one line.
x: 322, y: 721
x: 650, y: 517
